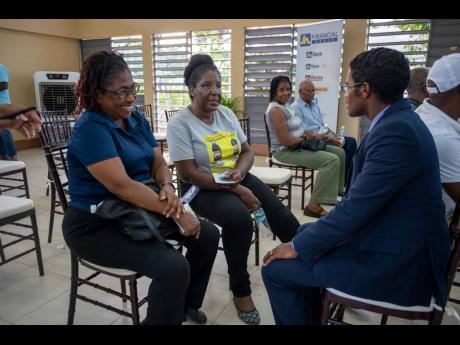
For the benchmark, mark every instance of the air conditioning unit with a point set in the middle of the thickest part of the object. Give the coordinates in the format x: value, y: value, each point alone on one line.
x: 55, y: 91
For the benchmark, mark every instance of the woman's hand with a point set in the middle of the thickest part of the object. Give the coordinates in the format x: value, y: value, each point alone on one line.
x: 234, y: 175
x: 189, y: 225
x: 248, y: 198
x: 174, y: 206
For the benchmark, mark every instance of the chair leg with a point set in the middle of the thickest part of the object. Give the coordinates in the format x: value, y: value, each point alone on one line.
x: 134, y: 301
x: 123, y: 289
x: 2, y: 253
x: 325, y: 311
x: 53, y: 210
x: 33, y: 219
x: 303, y: 189
x: 289, y: 194
x: 384, y: 320
x: 256, y: 232
x: 26, y: 184
x: 73, y: 288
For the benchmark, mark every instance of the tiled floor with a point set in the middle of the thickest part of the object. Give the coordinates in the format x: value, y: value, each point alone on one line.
x: 27, y: 298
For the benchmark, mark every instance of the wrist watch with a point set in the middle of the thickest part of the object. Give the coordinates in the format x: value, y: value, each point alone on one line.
x: 167, y: 182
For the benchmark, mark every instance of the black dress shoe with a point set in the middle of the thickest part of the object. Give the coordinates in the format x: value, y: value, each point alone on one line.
x: 196, y: 315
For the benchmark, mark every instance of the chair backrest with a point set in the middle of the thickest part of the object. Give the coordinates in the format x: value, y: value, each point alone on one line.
x: 454, y: 258
x: 146, y: 110
x: 245, y: 126
x: 170, y: 113
x: 269, y: 141
x: 54, y: 154
x: 56, y: 128
x: 49, y: 116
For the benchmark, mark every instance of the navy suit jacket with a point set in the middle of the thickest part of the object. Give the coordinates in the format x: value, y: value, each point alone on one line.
x: 387, y: 240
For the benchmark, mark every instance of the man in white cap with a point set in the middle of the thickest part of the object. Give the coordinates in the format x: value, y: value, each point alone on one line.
x: 440, y: 112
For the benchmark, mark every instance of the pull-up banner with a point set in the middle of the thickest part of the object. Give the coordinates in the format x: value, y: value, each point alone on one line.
x: 319, y: 57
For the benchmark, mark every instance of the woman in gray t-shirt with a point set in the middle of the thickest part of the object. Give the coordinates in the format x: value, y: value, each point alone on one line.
x: 205, y: 139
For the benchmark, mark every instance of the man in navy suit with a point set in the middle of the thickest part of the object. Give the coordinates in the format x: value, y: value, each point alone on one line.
x: 387, y: 240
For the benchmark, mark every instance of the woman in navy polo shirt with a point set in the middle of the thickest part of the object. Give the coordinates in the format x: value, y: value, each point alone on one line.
x: 110, y: 152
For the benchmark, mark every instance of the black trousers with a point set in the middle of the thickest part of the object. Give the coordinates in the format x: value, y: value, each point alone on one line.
x: 228, y: 211
x: 178, y: 282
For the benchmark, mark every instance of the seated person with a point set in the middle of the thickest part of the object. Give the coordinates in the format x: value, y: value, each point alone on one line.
x: 306, y: 107
x: 7, y: 147
x: 286, y: 130
x: 387, y: 240
x: 110, y: 152
x: 440, y: 112
x: 206, y: 138
x: 416, y: 90
x: 28, y: 123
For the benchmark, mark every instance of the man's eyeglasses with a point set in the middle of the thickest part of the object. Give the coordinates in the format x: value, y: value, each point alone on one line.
x: 124, y: 93
x: 347, y: 87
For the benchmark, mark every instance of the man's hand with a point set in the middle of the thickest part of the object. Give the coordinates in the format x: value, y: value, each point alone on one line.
x: 189, y: 225
x: 283, y: 251
x: 174, y: 206
x: 28, y: 123
x: 335, y: 141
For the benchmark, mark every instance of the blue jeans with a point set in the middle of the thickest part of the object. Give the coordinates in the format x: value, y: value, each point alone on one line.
x: 7, y: 148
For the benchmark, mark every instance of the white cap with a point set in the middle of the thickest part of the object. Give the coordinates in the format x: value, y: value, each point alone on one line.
x: 445, y: 73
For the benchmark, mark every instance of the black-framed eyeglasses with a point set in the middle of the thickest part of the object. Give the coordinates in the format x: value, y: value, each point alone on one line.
x: 124, y: 93
x: 347, y: 87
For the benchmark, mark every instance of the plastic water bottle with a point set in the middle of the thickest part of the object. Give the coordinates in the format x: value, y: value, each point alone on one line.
x: 261, y: 219
x: 341, y: 134
x: 191, y: 193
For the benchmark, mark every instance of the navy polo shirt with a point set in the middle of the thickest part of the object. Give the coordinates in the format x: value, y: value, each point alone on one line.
x: 95, y: 138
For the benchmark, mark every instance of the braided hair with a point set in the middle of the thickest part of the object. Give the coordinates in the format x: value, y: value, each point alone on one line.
x: 98, y: 72
x: 197, y: 66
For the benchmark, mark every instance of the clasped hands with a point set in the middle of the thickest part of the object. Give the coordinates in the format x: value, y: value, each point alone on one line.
x: 188, y: 223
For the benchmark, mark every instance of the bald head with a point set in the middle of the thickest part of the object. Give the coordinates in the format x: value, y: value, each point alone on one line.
x: 417, y: 84
x: 307, y: 90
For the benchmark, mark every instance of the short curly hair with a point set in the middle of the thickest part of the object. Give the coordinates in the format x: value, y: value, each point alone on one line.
x: 385, y: 70
x: 98, y: 71
x: 197, y: 66
x: 274, y: 85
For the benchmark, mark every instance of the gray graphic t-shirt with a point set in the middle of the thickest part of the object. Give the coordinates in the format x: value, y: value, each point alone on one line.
x: 215, y: 147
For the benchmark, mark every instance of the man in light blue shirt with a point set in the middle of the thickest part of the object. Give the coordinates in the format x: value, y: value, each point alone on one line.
x: 306, y: 107
x: 7, y: 148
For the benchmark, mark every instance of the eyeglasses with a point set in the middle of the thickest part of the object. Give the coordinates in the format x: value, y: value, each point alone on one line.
x: 124, y: 93
x: 347, y: 87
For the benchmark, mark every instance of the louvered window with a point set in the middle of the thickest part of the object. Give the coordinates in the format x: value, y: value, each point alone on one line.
x: 269, y: 52
x: 171, y: 54
x: 131, y: 48
x: 409, y: 36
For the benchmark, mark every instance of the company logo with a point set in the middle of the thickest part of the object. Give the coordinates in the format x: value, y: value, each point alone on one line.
x: 321, y: 89
x: 310, y: 54
x: 324, y: 37
x: 314, y: 77
x: 305, y: 40
x: 311, y: 66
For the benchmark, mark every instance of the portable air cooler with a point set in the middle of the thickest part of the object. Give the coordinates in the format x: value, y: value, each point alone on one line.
x: 54, y: 91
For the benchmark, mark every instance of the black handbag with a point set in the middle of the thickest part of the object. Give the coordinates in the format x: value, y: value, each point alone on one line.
x: 136, y: 222
x: 311, y: 144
